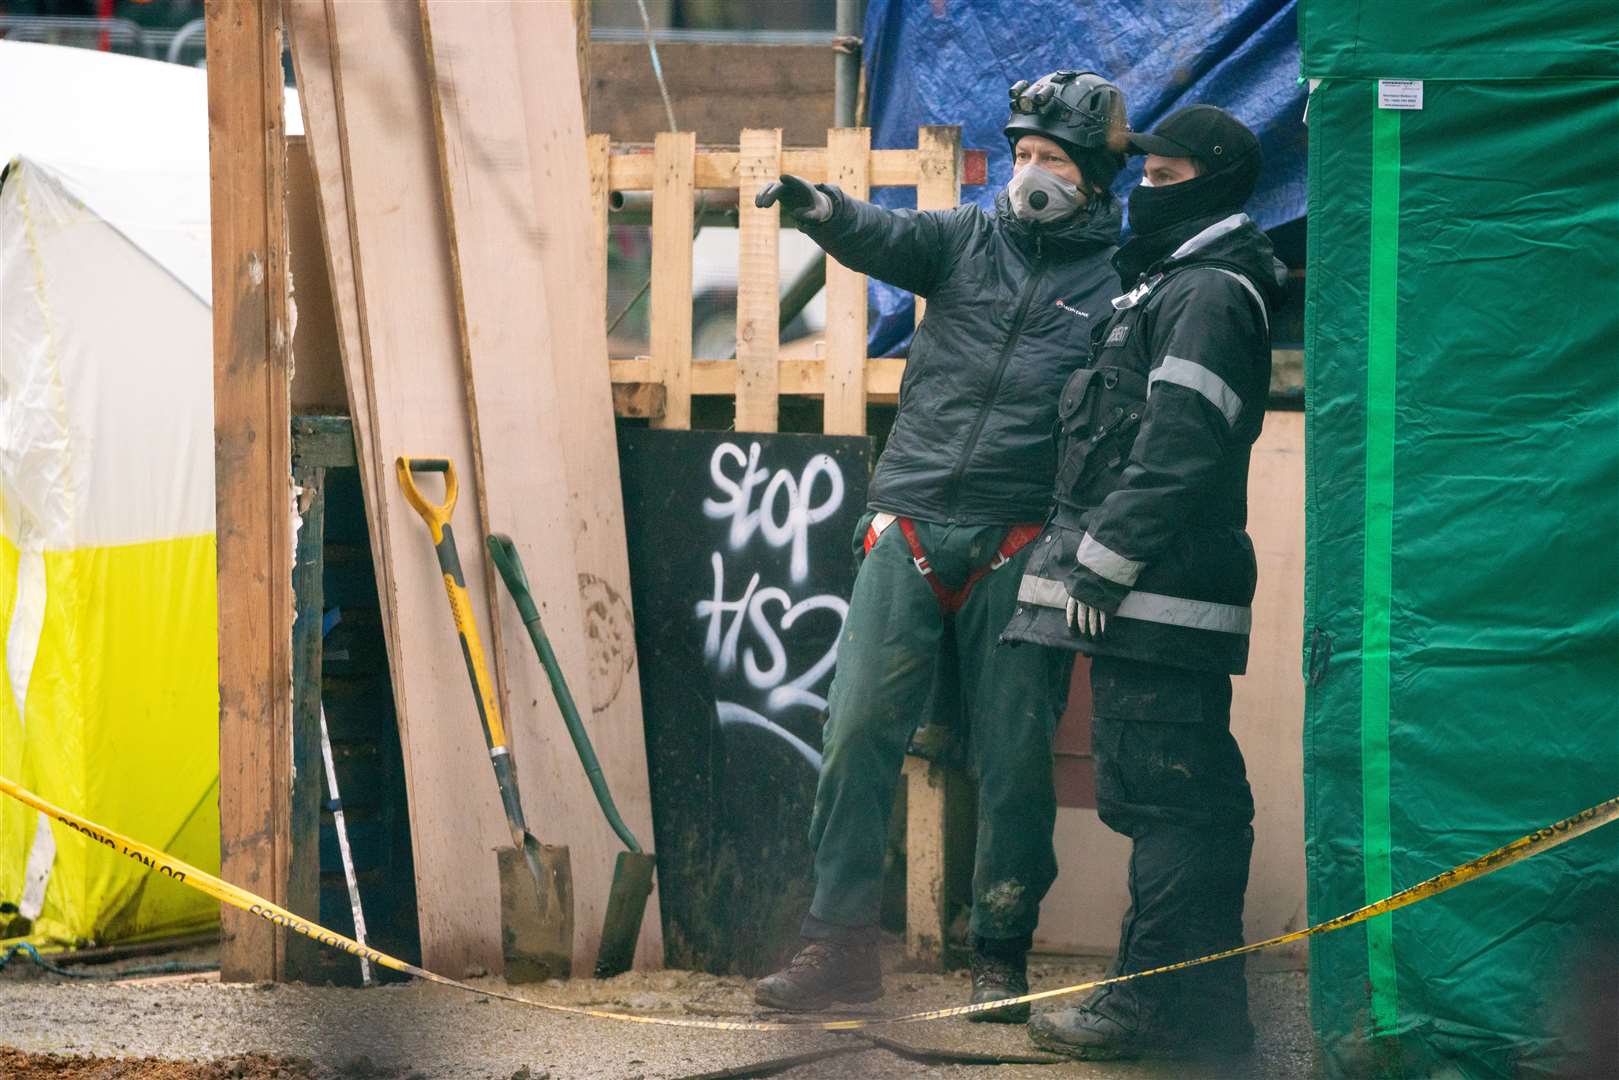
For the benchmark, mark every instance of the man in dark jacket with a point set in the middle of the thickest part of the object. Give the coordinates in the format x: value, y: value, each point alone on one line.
x: 959, y: 492
x: 1147, y: 567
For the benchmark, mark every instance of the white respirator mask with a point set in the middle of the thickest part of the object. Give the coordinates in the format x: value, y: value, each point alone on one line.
x: 1040, y: 196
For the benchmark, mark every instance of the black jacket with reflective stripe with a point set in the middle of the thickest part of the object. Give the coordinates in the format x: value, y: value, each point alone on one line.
x: 1154, y: 443
x: 1010, y: 311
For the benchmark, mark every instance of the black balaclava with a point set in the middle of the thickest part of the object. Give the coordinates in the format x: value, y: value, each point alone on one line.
x: 1156, y: 210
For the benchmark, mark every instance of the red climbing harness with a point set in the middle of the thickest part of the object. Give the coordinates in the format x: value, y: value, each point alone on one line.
x: 950, y: 601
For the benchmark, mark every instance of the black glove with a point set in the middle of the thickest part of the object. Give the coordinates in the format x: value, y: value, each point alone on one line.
x: 796, y: 195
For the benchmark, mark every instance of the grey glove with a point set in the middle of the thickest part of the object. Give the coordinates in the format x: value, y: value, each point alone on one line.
x: 1086, y: 620
x: 797, y: 196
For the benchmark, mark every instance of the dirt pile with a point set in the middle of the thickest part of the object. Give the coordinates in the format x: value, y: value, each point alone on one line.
x: 16, y: 1065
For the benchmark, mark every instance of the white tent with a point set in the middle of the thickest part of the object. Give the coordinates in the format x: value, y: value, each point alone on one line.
x: 107, y: 601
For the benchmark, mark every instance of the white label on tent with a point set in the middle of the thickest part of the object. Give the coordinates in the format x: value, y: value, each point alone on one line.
x: 1399, y: 93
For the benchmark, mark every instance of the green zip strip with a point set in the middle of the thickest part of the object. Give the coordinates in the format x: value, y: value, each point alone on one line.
x: 1377, y: 588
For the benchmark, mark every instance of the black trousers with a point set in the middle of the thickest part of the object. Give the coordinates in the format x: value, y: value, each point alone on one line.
x: 1170, y: 776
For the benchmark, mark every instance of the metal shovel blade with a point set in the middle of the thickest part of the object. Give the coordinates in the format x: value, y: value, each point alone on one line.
x: 536, y: 911
x: 626, y: 904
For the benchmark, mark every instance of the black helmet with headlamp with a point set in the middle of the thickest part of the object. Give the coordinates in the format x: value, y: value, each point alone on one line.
x: 1079, y: 111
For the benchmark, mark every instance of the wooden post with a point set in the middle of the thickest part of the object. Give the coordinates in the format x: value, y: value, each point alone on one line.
x: 938, y: 183
x: 303, y: 959
x: 673, y: 191
x: 926, y: 906
x: 758, y: 285
x: 253, y: 470
x: 932, y: 852
x: 848, y: 165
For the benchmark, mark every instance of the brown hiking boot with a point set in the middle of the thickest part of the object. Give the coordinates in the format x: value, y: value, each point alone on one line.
x: 824, y: 972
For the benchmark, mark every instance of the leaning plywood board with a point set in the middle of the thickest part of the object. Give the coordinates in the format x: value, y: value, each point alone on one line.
x: 497, y: 251
x: 411, y: 357
x: 575, y: 297
x: 312, y: 64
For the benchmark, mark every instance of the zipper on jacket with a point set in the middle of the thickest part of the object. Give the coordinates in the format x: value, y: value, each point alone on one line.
x: 995, y: 380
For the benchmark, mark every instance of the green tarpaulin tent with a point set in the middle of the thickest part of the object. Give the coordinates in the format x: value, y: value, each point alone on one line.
x: 1462, y: 582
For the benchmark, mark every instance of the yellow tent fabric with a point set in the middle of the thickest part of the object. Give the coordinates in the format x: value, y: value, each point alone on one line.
x: 109, y: 703
x: 108, y: 697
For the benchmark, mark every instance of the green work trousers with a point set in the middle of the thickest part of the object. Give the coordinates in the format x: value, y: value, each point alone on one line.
x: 1012, y: 697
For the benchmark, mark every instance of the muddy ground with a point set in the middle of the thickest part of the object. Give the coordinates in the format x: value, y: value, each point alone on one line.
x: 186, y: 1028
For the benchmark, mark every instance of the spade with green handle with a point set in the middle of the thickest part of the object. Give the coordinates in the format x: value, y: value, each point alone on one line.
x: 632, y: 874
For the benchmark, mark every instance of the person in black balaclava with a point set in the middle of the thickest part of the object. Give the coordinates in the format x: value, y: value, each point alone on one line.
x: 958, y: 494
x: 1147, y: 567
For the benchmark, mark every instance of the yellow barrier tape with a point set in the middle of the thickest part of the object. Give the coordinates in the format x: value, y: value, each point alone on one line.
x: 1537, y: 842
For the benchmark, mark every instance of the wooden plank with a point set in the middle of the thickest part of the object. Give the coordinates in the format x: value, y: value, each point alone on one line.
x: 562, y: 193
x: 633, y: 168
x: 468, y: 158
x: 411, y: 357
x: 672, y: 212
x: 926, y: 907
x: 718, y: 378
x: 719, y: 89
x: 642, y: 400
x: 253, y: 470
x: 317, y: 370
x: 497, y: 252
x: 848, y: 155
x: 938, y: 184
x: 317, y: 94
x: 932, y: 791
x: 758, y: 285
x: 599, y: 153
x: 304, y: 956
x: 325, y: 442
x: 581, y: 37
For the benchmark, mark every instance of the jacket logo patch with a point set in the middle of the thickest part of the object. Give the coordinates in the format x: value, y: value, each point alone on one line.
x: 1073, y: 310
x: 1117, y: 336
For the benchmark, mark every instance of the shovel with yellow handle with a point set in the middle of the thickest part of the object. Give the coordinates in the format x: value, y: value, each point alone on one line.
x: 534, y: 950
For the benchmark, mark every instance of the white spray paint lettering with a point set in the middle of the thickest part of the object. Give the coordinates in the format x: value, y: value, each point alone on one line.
x: 749, y: 633
x: 778, y: 528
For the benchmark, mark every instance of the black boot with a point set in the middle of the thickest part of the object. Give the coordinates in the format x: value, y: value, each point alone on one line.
x: 824, y: 972
x: 999, y: 973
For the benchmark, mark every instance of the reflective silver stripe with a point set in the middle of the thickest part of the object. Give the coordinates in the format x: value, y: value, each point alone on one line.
x: 1178, y: 611
x: 1210, y: 234
x: 1264, y: 313
x: 1147, y: 607
x: 1103, y: 560
x: 1042, y: 591
x: 1135, y: 295
x: 1196, y: 377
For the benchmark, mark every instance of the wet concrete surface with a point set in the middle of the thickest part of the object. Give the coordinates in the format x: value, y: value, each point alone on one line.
x: 423, y: 1031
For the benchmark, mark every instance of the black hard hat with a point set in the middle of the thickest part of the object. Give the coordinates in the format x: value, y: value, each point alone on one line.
x: 1079, y: 111
x: 1206, y: 133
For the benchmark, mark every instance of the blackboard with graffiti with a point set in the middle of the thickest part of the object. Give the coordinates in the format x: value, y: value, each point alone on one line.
x: 741, y: 566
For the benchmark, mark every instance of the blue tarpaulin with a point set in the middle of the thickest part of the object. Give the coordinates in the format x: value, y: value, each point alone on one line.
x: 951, y: 61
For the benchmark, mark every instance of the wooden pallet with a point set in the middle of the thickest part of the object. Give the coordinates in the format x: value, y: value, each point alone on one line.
x: 659, y: 387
